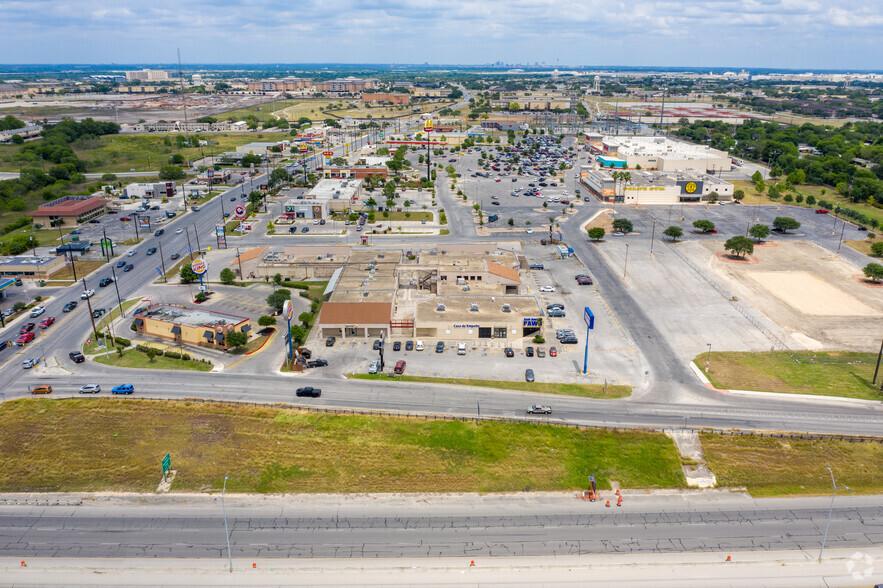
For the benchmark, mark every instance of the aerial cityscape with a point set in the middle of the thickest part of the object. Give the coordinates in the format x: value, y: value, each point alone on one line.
x: 395, y: 295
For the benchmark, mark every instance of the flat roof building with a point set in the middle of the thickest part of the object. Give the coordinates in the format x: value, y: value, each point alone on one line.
x: 70, y: 210
x: 30, y: 266
x: 193, y: 326
x: 652, y: 187
x: 659, y: 153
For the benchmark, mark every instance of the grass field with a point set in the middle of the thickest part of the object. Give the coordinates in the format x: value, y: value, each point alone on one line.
x: 401, y: 216
x: 752, y: 197
x: 865, y: 245
x: 586, y: 390
x: 135, y: 359
x: 83, y: 268
x: 775, y: 467
x: 775, y: 371
x: 117, y: 443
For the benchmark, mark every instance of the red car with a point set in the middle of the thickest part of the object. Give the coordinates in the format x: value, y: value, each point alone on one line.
x: 25, y: 338
x: 47, y: 322
x: 711, y: 231
x: 821, y: 211
x: 26, y: 328
x: 553, y: 352
x: 125, y: 218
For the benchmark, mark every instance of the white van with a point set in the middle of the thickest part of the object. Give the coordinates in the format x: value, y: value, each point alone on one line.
x: 461, y: 349
x: 420, y: 346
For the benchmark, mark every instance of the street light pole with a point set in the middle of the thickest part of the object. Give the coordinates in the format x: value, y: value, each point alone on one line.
x: 652, y: 235
x: 708, y: 358
x: 841, y: 238
x: 625, y: 266
x: 117, y: 288
x: 834, y: 484
x: 226, y: 528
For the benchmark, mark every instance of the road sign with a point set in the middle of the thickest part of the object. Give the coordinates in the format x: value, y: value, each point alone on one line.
x: 239, y: 211
x: 88, y: 341
x: 210, y: 172
x: 199, y: 266
x: 328, y: 153
x: 288, y: 310
x: 166, y: 463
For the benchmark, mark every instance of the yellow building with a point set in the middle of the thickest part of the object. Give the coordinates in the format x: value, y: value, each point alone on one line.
x: 191, y: 326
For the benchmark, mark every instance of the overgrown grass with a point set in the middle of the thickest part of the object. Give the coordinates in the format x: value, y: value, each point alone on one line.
x: 117, y: 443
x: 848, y: 375
x: 135, y: 359
x: 564, y: 389
x: 864, y: 246
x: 769, y: 466
x: 84, y: 268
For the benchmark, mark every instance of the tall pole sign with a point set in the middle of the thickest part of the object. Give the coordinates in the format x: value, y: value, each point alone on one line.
x: 288, y: 311
x: 589, y: 319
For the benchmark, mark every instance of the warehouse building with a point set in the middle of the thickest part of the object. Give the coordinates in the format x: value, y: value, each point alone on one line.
x: 191, y: 326
x: 652, y: 187
x: 656, y: 153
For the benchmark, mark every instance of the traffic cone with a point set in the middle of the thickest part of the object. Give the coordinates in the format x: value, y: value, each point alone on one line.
x: 617, y: 491
x: 729, y: 558
x: 472, y: 564
x: 254, y: 566
x: 619, y: 501
x: 23, y: 564
x: 608, y: 504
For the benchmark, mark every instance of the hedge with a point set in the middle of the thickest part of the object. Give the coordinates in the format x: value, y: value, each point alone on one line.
x: 121, y: 341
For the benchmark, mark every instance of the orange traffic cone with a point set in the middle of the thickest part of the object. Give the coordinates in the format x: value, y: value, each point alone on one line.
x: 23, y: 564
x: 617, y: 491
x: 608, y: 503
x: 619, y: 501
x: 729, y: 558
x: 472, y: 564
x: 254, y: 566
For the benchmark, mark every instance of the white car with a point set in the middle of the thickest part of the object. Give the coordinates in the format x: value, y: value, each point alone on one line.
x: 131, y: 253
x: 374, y: 367
x: 87, y: 294
x: 547, y: 289
x: 90, y: 389
x: 529, y: 231
x: 179, y: 231
x: 420, y: 346
x: 37, y: 311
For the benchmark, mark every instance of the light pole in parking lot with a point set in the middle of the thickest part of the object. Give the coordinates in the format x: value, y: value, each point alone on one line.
x: 841, y: 238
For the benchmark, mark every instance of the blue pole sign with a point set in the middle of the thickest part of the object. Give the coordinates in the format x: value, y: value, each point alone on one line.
x: 589, y: 319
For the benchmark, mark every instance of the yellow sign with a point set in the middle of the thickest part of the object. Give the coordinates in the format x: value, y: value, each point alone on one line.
x: 690, y: 187
x: 428, y: 126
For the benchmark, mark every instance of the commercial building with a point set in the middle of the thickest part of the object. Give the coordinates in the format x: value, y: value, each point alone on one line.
x: 262, y: 147
x: 191, y: 326
x: 358, y: 172
x: 325, y: 197
x: 150, y: 190
x: 658, y: 153
x: 25, y: 132
x: 374, y: 97
x: 30, y: 266
x: 70, y: 210
x: 148, y: 75
x: 652, y: 187
x: 286, y: 84
x: 346, y: 85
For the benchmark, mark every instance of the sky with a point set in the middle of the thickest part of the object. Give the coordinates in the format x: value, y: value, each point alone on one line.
x: 799, y: 34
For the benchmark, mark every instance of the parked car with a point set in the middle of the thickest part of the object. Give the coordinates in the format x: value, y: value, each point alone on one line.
x: 822, y: 211
x: 508, y: 352
x: 557, y: 313
x: 569, y: 340
x: 541, y: 352
x: 409, y: 345
x: 399, y: 368
x: 584, y: 281
x: 539, y: 409
x: 317, y: 363
x: 329, y: 342
x: 553, y: 351
x: 555, y: 306
x: 420, y: 346
x: 537, y: 266
x: 305, y: 230
x: 547, y: 289
x: 123, y: 389
x: 397, y: 346
x: 90, y: 389
x: 47, y: 322
x: 37, y: 311
x: 528, y: 351
x: 77, y: 357
x: 308, y: 391
x: 374, y: 367
x: 528, y: 375
x: 440, y: 347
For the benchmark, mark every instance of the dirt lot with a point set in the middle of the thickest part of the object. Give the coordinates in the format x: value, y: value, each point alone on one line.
x: 809, y: 293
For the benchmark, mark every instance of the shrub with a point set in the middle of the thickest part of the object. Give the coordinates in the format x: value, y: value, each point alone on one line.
x: 811, y: 200
x: 38, y: 298
x: 173, y: 354
x: 122, y: 342
x: 186, y: 357
x: 539, y: 339
x: 877, y: 249
x: 143, y: 348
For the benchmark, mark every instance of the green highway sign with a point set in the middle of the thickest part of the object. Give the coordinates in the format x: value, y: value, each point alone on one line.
x: 167, y: 463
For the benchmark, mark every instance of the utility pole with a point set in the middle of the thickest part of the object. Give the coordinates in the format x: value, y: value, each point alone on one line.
x: 117, y: 288
x: 189, y: 246
x: 242, y: 277
x: 91, y: 316
x: 652, y: 235
x: 196, y: 234
x: 162, y: 261
x: 135, y: 216
x: 877, y: 369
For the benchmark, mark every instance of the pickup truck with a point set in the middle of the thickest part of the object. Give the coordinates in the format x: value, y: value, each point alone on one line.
x: 539, y: 409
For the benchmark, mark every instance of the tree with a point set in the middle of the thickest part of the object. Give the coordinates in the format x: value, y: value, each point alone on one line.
x: 151, y: 353
x: 877, y: 249
x: 673, y: 233
x: 511, y: 222
x: 703, y: 225
x: 279, y: 176
x: 266, y: 321
x: 278, y: 298
x: 227, y: 276
x: 171, y: 172
x: 236, y: 339
x: 338, y: 161
x: 255, y: 197
x: 756, y: 177
x: 187, y: 274
x: 759, y: 232
x: 785, y: 223
x: 811, y: 200
x: 249, y: 159
x: 305, y: 318
x: 597, y: 233
x: 773, y: 193
x: 738, y: 195
x: 389, y: 190
x: 200, y: 297
x: 873, y: 271
x: 739, y: 245
x: 623, y: 224
x: 298, y: 334
x: 713, y: 197
x: 17, y: 139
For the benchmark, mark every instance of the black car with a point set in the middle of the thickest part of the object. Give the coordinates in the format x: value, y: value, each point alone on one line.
x: 94, y: 221
x: 309, y: 391
x: 105, y: 282
x: 69, y: 306
x: 329, y: 342
x: 98, y: 312
x: 159, y: 232
x: 495, y: 202
x: 151, y: 251
x: 397, y: 346
x: 440, y: 347
x: 305, y: 230
x: 175, y: 256
x: 528, y: 351
x: 569, y: 340
x: 120, y: 264
x: 537, y: 266
x: 128, y: 267
x: 377, y: 344
x: 508, y: 352
x: 77, y: 357
x: 409, y: 346
x: 317, y: 363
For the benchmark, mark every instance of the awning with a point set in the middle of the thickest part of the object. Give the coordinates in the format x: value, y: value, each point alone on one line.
x: 139, y: 322
x: 208, y: 334
x: 219, y: 336
x: 176, y: 330
x: 246, y: 328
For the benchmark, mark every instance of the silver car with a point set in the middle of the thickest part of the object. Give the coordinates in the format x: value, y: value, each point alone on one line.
x: 90, y: 389
x: 30, y: 362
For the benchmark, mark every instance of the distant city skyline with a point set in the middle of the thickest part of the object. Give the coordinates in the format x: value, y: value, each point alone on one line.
x: 792, y: 34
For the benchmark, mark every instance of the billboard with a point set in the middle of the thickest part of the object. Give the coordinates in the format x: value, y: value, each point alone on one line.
x: 143, y: 222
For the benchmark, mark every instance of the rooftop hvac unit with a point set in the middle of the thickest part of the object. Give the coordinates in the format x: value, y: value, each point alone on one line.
x: 466, y: 288
x: 365, y: 293
x: 507, y: 307
x: 474, y: 307
x: 440, y: 307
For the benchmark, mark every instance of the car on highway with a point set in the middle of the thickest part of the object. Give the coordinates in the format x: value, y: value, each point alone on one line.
x: 508, y: 352
x: 529, y: 231
x: 41, y: 389
x: 528, y: 375
x: 151, y: 251
x: 128, y: 267
x: 26, y: 328
x: 87, y: 294
x: 37, y: 311
x: 90, y: 389
x: 98, y: 312
x: 547, y: 289
x: 374, y: 367
x: 77, y: 357
x: 179, y: 231
x: 194, y: 208
x: 105, y: 282
x: 47, y: 322
x: 132, y: 253
x: 308, y: 391
x: 120, y: 264
x: 30, y: 362
x: 123, y: 389
x: 822, y: 211
x: 329, y: 342
x: 440, y: 347
x: 24, y: 339
x: 175, y: 256
x: 539, y: 409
